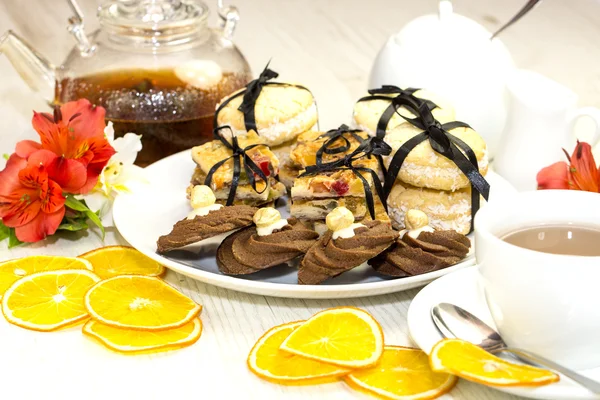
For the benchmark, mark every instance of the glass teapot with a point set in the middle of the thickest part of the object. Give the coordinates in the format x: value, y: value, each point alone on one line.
x: 154, y: 65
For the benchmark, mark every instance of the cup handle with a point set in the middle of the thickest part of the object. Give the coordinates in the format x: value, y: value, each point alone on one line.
x: 591, y: 112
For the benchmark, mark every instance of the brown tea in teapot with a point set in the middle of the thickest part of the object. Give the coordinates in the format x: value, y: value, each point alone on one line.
x: 170, y: 114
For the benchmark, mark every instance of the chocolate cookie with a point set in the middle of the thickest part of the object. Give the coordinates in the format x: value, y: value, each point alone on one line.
x: 245, y: 252
x: 429, y: 252
x: 330, y: 257
x: 188, y: 231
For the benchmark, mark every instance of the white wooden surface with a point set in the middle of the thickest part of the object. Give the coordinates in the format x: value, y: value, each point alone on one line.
x: 328, y: 46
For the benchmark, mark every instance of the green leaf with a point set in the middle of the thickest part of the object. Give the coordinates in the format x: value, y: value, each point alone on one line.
x: 73, y: 225
x: 12, y: 240
x: 77, y: 205
x: 4, y: 231
x: 96, y: 220
x: 6, y: 156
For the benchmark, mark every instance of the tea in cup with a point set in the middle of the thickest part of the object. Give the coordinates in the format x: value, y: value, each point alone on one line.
x: 539, y: 260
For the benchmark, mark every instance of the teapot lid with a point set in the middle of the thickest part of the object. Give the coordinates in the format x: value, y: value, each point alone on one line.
x: 155, y: 15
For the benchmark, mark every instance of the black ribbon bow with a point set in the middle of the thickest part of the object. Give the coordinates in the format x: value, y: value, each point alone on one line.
x: 333, y: 135
x: 395, y: 103
x: 238, y: 155
x: 250, y: 94
x: 371, y: 146
x: 442, y: 142
x: 376, y: 148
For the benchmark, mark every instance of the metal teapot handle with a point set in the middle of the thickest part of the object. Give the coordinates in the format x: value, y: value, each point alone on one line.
x: 229, y: 18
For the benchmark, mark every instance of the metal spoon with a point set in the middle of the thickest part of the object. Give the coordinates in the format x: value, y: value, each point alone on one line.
x: 453, y: 321
x: 526, y: 8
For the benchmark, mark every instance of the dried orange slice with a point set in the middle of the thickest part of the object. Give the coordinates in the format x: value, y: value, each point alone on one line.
x: 134, y: 342
x: 471, y: 362
x: 13, y: 270
x: 402, y: 373
x: 343, y: 336
x: 139, y: 302
x: 49, y: 300
x: 112, y: 261
x: 267, y: 361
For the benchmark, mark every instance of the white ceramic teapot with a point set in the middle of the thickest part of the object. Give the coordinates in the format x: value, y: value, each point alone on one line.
x: 453, y: 56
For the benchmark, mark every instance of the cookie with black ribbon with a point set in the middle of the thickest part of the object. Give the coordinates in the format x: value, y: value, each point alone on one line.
x: 277, y: 111
x: 379, y: 112
x: 239, y: 170
x: 429, y: 151
x: 351, y: 181
x: 429, y: 154
x: 327, y: 146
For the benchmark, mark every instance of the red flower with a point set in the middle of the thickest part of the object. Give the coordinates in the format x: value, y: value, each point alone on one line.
x: 30, y: 201
x: 75, y: 133
x: 555, y: 176
x: 580, y: 174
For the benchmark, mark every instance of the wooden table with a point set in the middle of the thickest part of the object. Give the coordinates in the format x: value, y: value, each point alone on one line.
x: 328, y: 46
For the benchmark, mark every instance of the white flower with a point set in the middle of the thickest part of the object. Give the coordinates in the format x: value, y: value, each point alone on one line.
x: 119, y: 173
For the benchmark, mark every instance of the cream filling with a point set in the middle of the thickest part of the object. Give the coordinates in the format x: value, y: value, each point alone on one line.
x: 422, y: 174
x: 268, y: 229
x: 346, y: 233
x: 280, y: 132
x: 202, y: 211
x: 414, y: 233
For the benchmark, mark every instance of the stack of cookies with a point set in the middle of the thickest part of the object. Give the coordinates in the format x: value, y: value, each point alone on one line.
x: 427, y: 180
x: 255, y: 129
x: 314, y: 195
x: 217, y: 157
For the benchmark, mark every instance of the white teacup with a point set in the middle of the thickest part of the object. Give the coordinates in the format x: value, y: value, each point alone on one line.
x: 545, y: 303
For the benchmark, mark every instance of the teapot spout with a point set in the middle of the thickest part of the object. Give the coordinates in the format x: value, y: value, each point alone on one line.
x: 34, y: 69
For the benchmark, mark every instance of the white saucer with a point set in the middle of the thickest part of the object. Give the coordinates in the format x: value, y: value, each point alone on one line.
x: 464, y: 289
x: 151, y: 210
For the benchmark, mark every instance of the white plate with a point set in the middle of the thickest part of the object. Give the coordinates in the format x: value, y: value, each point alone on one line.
x: 463, y: 288
x: 151, y: 210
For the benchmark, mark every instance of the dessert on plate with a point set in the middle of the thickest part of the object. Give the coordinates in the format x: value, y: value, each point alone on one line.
x: 272, y: 241
x: 345, y: 245
x: 339, y: 168
x: 277, y: 111
x: 256, y: 176
x: 316, y: 194
x: 430, y: 182
x: 420, y: 249
x: 430, y: 159
x: 207, y: 224
x: 333, y: 145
